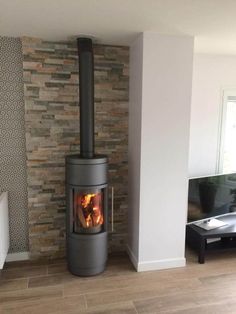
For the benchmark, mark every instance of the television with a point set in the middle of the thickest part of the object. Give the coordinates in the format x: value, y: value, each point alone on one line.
x: 211, y: 196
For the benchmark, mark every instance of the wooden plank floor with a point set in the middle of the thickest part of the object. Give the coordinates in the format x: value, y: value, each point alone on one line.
x: 48, y: 288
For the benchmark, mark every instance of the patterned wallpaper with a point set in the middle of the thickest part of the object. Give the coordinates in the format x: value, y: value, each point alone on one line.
x: 52, y: 131
x: 12, y: 141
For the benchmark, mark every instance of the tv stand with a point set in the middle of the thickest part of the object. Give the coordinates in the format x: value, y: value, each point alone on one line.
x: 197, y: 237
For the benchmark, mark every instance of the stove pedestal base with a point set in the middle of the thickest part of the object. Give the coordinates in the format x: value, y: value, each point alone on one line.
x: 87, y: 253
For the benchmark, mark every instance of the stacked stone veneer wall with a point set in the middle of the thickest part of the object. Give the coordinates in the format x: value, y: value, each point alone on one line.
x: 52, y: 131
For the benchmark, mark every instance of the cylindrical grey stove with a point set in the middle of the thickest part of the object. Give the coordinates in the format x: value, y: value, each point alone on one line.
x: 87, y: 202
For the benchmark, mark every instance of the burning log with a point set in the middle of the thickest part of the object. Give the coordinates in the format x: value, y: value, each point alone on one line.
x: 82, y: 220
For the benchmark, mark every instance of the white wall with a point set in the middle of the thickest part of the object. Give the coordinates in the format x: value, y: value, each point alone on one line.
x: 211, y: 74
x: 134, y: 147
x: 166, y: 98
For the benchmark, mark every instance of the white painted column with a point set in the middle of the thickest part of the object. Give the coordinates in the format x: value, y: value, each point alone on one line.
x: 159, y: 122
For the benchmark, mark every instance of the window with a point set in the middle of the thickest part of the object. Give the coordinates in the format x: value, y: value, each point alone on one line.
x: 227, y: 151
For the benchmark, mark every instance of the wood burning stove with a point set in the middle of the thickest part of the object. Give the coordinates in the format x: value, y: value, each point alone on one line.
x: 87, y: 196
x: 86, y: 184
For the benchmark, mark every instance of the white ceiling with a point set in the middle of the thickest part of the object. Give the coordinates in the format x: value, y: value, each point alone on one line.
x: 212, y: 22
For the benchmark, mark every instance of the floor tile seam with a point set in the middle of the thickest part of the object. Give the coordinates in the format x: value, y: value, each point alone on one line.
x: 135, y: 308
x: 85, y: 301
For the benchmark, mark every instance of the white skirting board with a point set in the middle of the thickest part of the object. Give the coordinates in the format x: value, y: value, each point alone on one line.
x: 155, y: 265
x: 4, y: 228
x: 20, y: 256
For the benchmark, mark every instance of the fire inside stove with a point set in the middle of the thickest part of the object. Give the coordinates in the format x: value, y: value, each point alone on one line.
x: 88, y: 212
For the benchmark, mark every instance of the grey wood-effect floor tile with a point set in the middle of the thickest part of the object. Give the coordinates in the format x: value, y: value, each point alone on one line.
x: 57, y: 268
x: 117, y: 308
x: 24, y: 272
x: 31, y: 294
x: 11, y: 285
x: 142, y: 290
x: 225, y: 308
x: 130, y: 280
x: 51, y: 280
x: 184, y: 300
x: 49, y: 306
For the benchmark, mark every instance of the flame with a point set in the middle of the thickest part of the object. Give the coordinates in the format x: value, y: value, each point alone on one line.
x: 98, y: 219
x: 90, y: 209
x: 88, y: 221
x: 87, y: 199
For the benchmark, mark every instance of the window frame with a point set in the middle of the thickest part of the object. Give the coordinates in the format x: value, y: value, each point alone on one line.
x: 226, y: 93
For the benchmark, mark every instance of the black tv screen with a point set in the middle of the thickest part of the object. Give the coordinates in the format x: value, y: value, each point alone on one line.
x: 211, y: 196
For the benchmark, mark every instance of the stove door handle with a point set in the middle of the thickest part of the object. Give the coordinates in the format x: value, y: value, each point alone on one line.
x: 112, y: 209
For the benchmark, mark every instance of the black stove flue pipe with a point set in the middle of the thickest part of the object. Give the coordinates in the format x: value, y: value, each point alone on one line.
x: 86, y: 90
